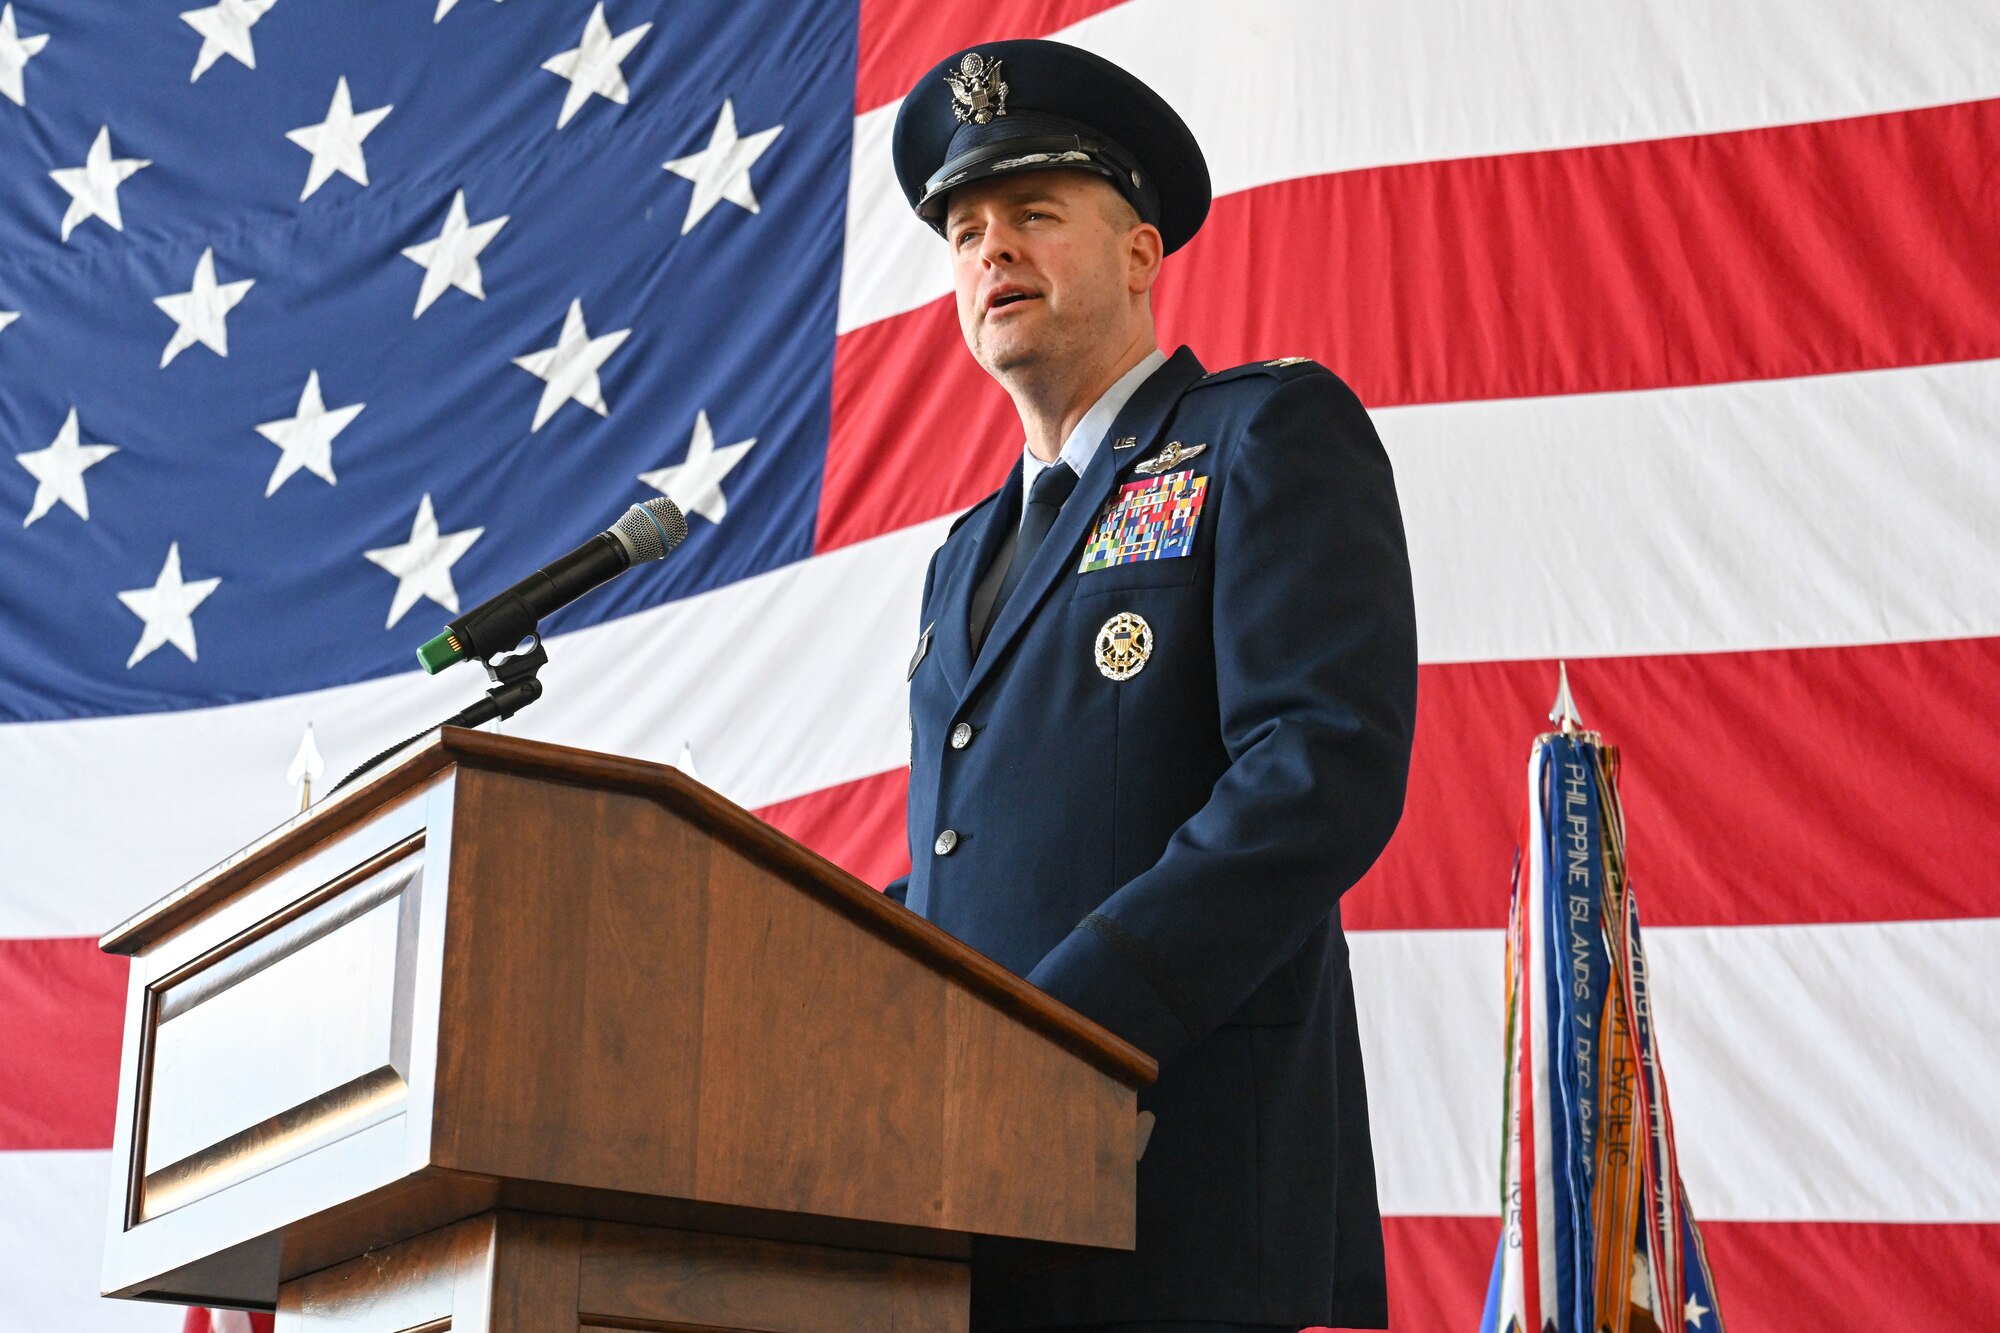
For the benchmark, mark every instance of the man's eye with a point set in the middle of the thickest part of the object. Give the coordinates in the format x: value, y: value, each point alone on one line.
x: 965, y: 236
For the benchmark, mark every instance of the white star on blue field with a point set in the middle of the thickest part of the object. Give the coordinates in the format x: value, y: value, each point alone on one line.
x: 324, y: 327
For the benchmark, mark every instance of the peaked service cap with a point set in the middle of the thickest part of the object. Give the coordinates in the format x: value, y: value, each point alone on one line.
x: 1035, y: 105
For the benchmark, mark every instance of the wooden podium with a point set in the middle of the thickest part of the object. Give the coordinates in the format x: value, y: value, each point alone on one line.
x: 520, y: 1037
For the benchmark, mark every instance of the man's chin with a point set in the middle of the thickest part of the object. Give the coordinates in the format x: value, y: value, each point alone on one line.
x: 1010, y: 356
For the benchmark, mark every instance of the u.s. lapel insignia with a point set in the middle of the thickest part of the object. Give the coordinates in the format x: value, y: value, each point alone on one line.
x: 1124, y: 645
x: 1125, y: 442
x: 978, y: 93
x: 1172, y: 456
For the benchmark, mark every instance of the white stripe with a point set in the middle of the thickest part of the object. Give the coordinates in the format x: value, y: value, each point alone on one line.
x: 1837, y: 509
x: 782, y: 684
x: 1278, y: 89
x: 1795, y: 513
x: 1818, y: 1073
x: 52, y: 1210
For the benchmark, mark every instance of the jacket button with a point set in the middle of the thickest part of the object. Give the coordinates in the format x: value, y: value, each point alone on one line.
x: 945, y: 842
x: 961, y: 736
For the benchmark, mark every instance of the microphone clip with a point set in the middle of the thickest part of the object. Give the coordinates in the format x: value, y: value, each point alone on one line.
x: 515, y: 685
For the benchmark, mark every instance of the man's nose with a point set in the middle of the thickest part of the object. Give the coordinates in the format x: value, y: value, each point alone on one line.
x: 997, y: 245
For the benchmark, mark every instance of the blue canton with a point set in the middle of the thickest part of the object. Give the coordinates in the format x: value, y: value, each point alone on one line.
x: 304, y: 353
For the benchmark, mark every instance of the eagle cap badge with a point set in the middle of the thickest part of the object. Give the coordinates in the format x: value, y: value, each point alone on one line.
x: 978, y: 93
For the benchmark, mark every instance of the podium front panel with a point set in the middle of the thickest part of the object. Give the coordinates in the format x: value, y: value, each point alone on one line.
x: 271, y: 1075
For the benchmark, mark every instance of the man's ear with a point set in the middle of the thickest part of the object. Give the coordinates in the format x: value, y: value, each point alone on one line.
x: 1144, y: 251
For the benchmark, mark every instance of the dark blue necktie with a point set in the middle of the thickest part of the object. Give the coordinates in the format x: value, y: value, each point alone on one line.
x: 1045, y: 501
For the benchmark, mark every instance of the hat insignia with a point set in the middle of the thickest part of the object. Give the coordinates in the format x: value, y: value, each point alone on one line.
x: 978, y: 93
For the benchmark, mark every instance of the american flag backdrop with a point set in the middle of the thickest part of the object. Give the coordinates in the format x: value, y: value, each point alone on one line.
x: 1680, y: 320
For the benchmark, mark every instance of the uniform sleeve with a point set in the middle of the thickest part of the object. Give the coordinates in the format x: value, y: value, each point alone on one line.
x: 1315, y: 656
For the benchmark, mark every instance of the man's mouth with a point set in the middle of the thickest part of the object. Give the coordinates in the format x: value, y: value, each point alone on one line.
x: 1006, y: 296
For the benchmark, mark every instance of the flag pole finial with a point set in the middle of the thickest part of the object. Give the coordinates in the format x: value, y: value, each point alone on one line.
x: 307, y: 766
x: 1563, y: 712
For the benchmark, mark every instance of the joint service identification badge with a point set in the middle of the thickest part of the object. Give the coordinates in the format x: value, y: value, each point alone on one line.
x: 1123, y: 645
x: 1146, y: 520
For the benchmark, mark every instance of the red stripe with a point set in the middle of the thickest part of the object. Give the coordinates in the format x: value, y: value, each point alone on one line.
x: 199, y: 1320
x: 1438, y: 1269
x: 63, y: 1004
x: 1771, y: 1277
x: 1805, y: 785
x: 1769, y: 788
x: 918, y: 428
x: 899, y: 40
x: 1810, y: 249
x: 1803, y: 250
x: 857, y: 825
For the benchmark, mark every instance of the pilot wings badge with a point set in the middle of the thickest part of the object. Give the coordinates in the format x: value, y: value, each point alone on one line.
x: 1172, y: 456
x: 978, y: 93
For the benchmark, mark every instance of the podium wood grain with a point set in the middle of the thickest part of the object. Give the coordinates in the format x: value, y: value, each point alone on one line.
x: 517, y: 987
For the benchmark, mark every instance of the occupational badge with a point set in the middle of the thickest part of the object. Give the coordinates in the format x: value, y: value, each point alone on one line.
x: 978, y: 93
x: 1168, y: 458
x: 1123, y: 645
x: 1289, y: 361
x: 1146, y: 520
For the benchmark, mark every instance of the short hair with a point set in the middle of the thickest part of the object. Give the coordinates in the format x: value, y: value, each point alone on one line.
x: 1118, y: 210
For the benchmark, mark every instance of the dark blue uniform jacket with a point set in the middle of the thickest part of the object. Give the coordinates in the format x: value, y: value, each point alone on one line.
x: 1166, y: 854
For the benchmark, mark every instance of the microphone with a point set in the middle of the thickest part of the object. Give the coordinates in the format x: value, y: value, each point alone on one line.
x: 645, y: 532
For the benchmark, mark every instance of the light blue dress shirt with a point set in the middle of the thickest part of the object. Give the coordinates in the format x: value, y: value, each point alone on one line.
x: 1088, y: 436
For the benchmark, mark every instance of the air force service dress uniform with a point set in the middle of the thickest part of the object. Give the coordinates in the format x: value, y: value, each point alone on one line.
x: 1183, y: 734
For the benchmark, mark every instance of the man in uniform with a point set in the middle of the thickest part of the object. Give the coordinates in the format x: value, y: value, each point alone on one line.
x: 1161, y: 700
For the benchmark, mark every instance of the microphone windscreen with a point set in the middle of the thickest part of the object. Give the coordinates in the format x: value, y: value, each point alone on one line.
x: 648, y: 531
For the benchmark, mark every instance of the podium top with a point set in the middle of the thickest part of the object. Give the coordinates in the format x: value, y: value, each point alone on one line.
x: 452, y: 747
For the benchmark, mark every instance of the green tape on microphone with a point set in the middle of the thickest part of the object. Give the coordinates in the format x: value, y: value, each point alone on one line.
x: 441, y: 652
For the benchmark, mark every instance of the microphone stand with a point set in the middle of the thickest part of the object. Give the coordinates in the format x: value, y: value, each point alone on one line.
x: 515, y: 686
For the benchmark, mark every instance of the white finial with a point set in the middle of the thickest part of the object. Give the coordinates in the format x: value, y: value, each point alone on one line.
x: 686, y: 762
x: 1563, y: 712
x: 307, y: 766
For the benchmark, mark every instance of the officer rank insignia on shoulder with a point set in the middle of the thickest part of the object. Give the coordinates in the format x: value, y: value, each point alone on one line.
x: 1146, y: 520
